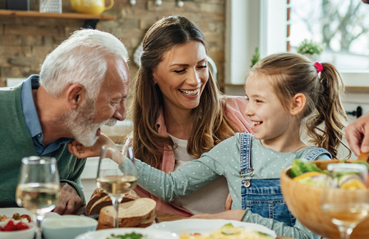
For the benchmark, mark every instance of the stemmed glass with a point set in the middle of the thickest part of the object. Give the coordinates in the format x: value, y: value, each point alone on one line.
x: 38, y: 188
x: 345, y: 197
x: 116, y: 181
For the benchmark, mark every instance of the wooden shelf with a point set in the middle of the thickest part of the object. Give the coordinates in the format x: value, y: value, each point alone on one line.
x: 67, y: 15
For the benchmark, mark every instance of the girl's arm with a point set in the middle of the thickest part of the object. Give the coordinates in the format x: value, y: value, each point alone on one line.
x: 183, y: 181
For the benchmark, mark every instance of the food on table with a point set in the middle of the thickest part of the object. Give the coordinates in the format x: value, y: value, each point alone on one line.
x: 11, y: 226
x: 132, y: 235
x: 228, y: 231
x: 308, y: 173
x: 16, y: 216
x: 100, y: 199
x: 136, y: 213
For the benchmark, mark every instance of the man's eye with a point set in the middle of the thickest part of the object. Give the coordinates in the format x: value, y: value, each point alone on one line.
x: 180, y: 71
x: 114, y: 102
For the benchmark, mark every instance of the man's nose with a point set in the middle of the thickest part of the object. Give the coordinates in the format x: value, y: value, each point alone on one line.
x: 120, y: 112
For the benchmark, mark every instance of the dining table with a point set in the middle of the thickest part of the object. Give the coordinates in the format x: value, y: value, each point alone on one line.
x: 164, y: 217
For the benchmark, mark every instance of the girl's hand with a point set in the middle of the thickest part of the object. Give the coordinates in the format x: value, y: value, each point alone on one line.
x: 228, y: 203
x: 227, y: 215
x: 81, y: 151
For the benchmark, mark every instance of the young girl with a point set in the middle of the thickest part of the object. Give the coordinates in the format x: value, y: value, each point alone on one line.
x: 283, y: 90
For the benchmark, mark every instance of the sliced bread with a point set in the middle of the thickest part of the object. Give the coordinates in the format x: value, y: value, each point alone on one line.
x: 131, y: 214
x: 100, y: 199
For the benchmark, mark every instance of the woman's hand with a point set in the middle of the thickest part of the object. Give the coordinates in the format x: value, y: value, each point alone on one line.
x: 227, y: 215
x: 81, y: 151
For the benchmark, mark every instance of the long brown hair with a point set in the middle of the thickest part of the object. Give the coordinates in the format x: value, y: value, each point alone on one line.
x: 210, y: 125
x: 291, y: 74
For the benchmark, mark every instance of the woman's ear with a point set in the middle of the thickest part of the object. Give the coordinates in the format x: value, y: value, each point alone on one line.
x: 297, y: 103
x: 76, y: 95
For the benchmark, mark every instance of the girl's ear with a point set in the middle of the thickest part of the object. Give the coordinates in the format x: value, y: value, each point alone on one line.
x: 297, y: 103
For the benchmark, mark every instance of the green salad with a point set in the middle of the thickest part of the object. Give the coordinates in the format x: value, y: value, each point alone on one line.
x: 131, y: 235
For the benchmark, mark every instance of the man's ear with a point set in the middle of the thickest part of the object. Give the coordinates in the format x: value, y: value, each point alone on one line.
x: 76, y: 95
x: 297, y: 103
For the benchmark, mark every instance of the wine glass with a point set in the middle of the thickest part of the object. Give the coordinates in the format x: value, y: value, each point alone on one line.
x: 38, y: 188
x: 116, y: 181
x: 345, y: 197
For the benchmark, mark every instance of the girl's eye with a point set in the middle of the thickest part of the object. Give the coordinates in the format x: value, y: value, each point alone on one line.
x: 180, y: 71
x: 259, y: 101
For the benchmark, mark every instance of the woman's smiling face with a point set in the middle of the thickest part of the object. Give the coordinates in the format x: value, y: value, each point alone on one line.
x: 182, y: 75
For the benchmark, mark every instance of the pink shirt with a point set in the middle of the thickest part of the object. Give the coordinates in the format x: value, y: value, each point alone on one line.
x: 235, y: 111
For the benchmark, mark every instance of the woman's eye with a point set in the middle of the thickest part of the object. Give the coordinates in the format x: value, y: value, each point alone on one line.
x: 259, y: 101
x: 114, y: 103
x: 179, y: 71
x: 202, y: 67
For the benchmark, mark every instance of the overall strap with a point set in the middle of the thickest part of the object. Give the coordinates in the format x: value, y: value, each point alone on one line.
x: 245, y: 158
x: 316, y: 152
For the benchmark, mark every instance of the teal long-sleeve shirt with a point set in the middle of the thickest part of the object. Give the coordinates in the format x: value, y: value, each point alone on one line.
x: 224, y: 159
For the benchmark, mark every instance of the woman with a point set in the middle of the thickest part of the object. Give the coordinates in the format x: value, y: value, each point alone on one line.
x: 178, y: 112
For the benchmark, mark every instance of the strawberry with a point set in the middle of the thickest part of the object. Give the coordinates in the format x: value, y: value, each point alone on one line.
x: 10, y: 226
x: 21, y: 226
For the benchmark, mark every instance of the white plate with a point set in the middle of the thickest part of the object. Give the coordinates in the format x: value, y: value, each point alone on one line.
x: 206, y: 225
x: 150, y: 233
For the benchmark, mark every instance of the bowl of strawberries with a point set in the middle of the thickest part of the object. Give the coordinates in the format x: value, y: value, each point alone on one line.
x: 18, y: 226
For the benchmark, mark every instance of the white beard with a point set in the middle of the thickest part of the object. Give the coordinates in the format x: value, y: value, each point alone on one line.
x: 80, y: 124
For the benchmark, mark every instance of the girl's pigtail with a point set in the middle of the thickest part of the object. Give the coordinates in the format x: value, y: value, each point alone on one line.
x: 329, y: 110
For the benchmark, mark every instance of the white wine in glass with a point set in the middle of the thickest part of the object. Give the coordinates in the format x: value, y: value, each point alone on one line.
x: 38, y: 188
x: 345, y: 197
x: 116, y: 181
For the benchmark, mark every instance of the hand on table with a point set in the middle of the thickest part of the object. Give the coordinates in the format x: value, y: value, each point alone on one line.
x: 235, y: 214
x: 81, y: 151
x: 69, y: 201
x: 357, y: 135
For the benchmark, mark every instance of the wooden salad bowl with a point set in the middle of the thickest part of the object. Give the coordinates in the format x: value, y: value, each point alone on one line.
x: 304, y: 201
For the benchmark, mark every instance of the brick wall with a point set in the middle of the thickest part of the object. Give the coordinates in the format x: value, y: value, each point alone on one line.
x: 25, y: 42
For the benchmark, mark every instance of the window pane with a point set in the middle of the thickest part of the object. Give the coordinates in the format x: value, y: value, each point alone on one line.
x: 341, y: 25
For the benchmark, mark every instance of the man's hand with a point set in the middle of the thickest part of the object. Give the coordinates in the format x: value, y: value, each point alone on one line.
x: 80, y: 151
x: 357, y: 135
x: 69, y: 201
x: 228, y: 215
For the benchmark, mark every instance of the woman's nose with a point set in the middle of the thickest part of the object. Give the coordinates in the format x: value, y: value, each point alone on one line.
x: 193, y: 78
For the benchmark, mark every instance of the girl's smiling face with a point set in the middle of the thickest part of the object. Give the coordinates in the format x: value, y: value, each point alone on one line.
x: 270, y: 119
x: 182, y: 75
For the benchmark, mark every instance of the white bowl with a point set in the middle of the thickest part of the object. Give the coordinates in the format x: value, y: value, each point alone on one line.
x: 67, y: 227
x: 24, y: 234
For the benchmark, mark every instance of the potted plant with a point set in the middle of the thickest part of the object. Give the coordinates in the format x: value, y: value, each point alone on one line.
x: 310, y: 49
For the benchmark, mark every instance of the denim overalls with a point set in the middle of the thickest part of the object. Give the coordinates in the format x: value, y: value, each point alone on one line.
x: 264, y: 196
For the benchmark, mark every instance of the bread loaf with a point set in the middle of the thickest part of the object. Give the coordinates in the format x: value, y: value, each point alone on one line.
x: 100, y: 199
x: 139, y: 212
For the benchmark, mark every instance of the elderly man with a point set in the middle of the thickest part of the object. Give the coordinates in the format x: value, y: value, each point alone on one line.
x: 82, y: 85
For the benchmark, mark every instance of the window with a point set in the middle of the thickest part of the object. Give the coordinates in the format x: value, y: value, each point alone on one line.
x: 341, y: 26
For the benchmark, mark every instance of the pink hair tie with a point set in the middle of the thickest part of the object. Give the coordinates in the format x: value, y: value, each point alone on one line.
x: 318, y: 66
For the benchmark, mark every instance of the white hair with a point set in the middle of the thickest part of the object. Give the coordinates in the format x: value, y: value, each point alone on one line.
x: 82, y: 58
